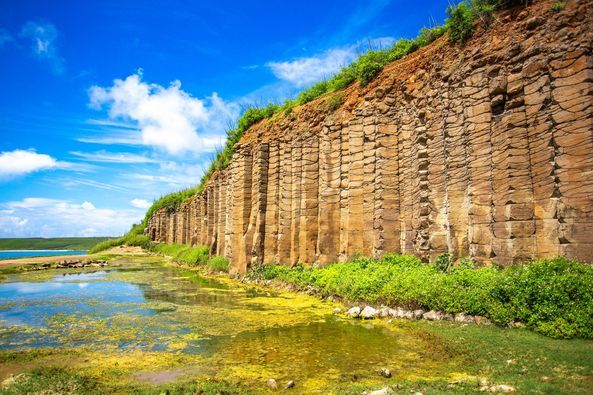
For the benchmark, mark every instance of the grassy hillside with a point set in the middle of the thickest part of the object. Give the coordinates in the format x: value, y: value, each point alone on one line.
x: 58, y: 243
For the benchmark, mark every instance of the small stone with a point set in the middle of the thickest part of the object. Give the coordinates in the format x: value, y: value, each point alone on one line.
x: 534, y: 22
x: 272, y: 384
x: 409, y: 314
x: 385, y: 373
x: 337, y: 311
x: 432, y: 315
x: 462, y: 317
x: 418, y: 313
x: 481, y: 320
x: 369, y: 312
x: 382, y: 391
x: 447, y: 317
x: 384, y: 312
x: 290, y: 384
x: 354, y: 312
x: 502, y: 388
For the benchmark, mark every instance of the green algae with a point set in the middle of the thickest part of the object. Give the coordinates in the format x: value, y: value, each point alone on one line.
x: 190, y: 332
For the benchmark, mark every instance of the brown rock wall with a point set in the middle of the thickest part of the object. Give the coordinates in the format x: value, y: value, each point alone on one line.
x: 483, y: 151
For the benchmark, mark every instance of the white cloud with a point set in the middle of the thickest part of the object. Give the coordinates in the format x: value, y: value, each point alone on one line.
x: 52, y: 218
x: 43, y: 38
x: 113, y: 157
x: 20, y: 162
x: 169, y: 177
x: 168, y: 118
x: 307, y: 70
x: 140, y: 203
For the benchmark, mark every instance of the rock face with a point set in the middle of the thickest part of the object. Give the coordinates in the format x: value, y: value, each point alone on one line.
x: 483, y: 150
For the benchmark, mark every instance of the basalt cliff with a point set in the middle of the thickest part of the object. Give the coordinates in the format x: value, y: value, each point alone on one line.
x: 483, y: 150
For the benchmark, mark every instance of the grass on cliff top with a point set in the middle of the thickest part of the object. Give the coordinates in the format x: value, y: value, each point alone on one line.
x: 553, y: 297
x: 460, y: 26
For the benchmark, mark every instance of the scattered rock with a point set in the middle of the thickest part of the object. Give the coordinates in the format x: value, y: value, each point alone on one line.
x: 337, y: 311
x: 447, y: 317
x: 369, y: 312
x: 534, y: 22
x: 11, y: 380
x: 500, y: 388
x: 290, y: 384
x: 462, y: 317
x: 272, y: 384
x: 354, y: 312
x: 384, y: 312
x: 418, y: 313
x: 433, y: 315
x: 382, y: 391
x: 385, y: 373
x: 481, y: 320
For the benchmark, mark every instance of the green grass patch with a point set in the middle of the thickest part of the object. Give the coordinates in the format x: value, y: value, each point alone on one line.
x: 553, y: 297
x: 56, y: 243
x: 183, y: 253
x: 218, y: 264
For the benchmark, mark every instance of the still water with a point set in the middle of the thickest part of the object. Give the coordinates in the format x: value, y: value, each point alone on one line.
x: 234, y: 329
x: 11, y: 254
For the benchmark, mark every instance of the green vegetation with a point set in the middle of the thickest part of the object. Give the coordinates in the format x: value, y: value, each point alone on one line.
x: 553, y: 297
x: 183, y: 253
x: 558, y: 6
x: 218, y: 264
x: 58, y: 243
x: 130, y: 239
x: 460, y: 26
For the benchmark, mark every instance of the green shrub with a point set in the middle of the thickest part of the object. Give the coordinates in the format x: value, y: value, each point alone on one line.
x: 558, y: 6
x: 184, y: 253
x: 443, y: 262
x: 335, y: 101
x: 132, y: 238
x: 218, y: 264
x: 460, y: 22
x: 312, y: 93
x: 553, y: 297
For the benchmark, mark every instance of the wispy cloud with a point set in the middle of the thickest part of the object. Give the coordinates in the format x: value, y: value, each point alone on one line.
x: 167, y: 117
x: 305, y: 71
x: 74, y: 182
x: 44, y: 36
x: 36, y: 216
x: 113, y: 157
x: 21, y: 162
x: 140, y: 203
x: 5, y: 37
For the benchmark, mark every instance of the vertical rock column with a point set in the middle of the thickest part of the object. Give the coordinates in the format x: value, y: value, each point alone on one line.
x: 273, y: 201
x: 328, y: 241
x: 477, y: 118
x: 295, y: 202
x: 369, y: 145
x: 572, y: 115
x: 386, y: 218
x: 355, y: 224
x: 257, y: 221
x: 307, y: 239
x: 241, y: 173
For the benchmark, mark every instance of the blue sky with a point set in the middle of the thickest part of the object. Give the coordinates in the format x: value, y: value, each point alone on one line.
x: 107, y: 105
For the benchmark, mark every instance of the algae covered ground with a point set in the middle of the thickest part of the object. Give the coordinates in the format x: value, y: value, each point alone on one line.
x: 147, y: 326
